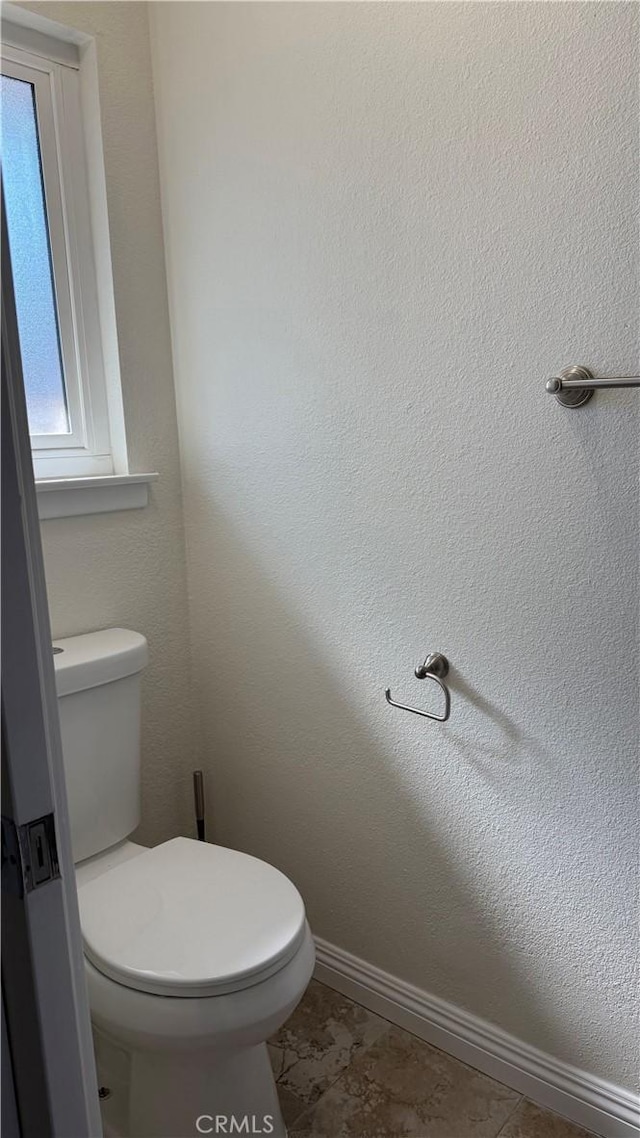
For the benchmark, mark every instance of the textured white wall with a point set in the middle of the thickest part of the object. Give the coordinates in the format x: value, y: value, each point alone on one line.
x: 128, y: 568
x: 386, y: 225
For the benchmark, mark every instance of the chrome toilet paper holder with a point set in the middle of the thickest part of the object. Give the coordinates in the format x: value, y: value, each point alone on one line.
x: 435, y: 667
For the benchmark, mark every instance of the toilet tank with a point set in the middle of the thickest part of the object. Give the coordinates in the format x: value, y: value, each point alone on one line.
x: 98, y: 684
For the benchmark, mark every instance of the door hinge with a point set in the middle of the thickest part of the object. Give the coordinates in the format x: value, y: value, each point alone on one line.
x: 29, y: 854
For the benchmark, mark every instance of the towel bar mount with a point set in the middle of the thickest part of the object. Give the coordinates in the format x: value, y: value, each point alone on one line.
x: 574, y: 386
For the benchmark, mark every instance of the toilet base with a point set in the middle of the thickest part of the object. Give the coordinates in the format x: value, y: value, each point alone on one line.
x: 184, y: 1095
x: 180, y: 1067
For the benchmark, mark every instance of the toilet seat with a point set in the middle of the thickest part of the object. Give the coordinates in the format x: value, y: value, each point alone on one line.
x: 190, y: 919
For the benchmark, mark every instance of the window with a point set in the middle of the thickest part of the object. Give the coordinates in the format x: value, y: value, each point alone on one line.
x: 46, y: 200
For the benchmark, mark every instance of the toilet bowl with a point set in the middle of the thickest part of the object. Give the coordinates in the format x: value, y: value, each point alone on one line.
x: 189, y: 1024
x: 195, y: 954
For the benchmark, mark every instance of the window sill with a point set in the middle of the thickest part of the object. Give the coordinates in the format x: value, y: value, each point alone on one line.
x: 71, y: 497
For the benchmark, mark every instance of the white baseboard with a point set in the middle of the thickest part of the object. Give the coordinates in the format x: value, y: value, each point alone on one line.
x: 588, y: 1101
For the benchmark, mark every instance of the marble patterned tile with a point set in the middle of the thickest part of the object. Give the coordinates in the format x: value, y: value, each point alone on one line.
x: 400, y: 1087
x: 530, y: 1121
x: 290, y: 1105
x: 319, y: 1041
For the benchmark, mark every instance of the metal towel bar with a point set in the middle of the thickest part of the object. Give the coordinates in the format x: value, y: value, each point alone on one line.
x: 435, y: 667
x: 575, y: 385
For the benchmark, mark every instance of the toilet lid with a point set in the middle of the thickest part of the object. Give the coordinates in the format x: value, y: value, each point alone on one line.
x: 191, y: 919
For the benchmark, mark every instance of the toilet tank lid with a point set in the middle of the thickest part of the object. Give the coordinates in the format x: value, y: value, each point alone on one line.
x: 98, y: 658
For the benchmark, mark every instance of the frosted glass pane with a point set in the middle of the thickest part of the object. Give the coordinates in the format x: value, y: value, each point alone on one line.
x: 31, y: 262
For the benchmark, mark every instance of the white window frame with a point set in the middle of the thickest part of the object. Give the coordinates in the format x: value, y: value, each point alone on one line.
x: 87, y: 450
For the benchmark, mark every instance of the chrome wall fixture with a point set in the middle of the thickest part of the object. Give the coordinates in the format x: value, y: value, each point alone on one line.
x: 575, y: 385
x: 435, y: 667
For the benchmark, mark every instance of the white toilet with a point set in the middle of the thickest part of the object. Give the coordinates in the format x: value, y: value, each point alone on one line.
x: 195, y: 954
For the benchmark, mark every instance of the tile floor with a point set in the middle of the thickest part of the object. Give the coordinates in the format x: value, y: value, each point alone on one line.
x: 343, y: 1072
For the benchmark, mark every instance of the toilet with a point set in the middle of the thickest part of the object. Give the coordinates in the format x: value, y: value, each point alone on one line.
x: 195, y: 954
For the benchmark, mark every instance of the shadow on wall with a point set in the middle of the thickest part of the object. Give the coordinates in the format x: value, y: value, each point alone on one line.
x: 297, y: 778
x: 503, y: 742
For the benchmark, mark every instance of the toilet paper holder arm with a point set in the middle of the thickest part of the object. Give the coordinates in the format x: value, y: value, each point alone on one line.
x: 435, y: 667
